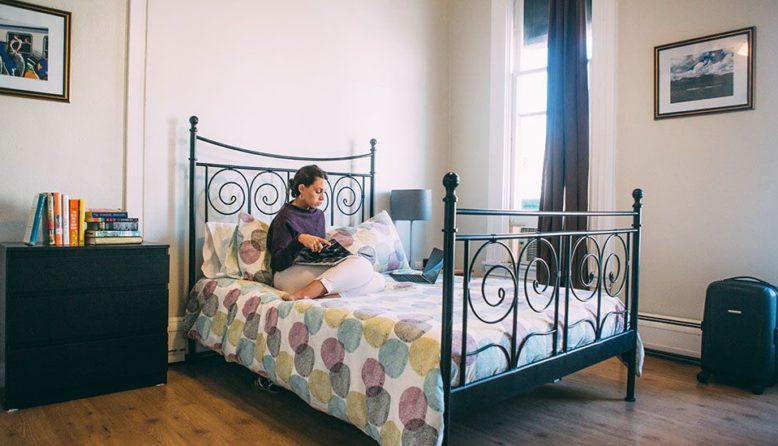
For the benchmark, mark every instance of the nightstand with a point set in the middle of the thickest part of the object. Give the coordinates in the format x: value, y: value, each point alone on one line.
x: 81, y: 321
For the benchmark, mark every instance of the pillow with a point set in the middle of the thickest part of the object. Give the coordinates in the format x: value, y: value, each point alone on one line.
x: 375, y: 239
x: 250, y: 247
x: 216, y: 245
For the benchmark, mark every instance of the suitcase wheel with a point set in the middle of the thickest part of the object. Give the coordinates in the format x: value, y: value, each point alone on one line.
x: 758, y: 389
x: 703, y: 376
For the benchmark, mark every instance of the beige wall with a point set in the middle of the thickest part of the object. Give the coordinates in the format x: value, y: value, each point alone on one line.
x: 710, y: 181
x: 306, y: 77
x: 77, y: 147
x: 414, y: 75
x: 470, y: 35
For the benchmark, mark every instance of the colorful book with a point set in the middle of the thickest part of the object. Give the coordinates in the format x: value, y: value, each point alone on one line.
x: 112, y: 225
x: 34, y: 220
x: 112, y: 240
x: 50, y: 217
x: 57, y: 219
x: 109, y: 219
x: 95, y: 234
x: 65, y: 220
x: 81, y: 222
x: 105, y: 213
x: 74, y: 232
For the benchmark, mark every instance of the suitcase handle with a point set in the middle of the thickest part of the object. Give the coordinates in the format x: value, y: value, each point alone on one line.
x: 754, y: 279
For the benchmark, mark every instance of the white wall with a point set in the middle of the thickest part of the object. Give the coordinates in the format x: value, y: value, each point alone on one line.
x: 470, y: 89
x: 305, y: 77
x: 77, y: 147
x: 710, y: 181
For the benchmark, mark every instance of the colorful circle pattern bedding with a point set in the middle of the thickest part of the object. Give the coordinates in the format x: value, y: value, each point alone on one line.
x: 373, y: 361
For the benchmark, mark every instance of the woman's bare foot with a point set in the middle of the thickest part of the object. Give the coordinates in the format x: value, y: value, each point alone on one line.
x: 313, y: 290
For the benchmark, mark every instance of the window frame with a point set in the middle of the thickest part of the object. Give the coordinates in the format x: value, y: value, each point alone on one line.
x: 515, y: 73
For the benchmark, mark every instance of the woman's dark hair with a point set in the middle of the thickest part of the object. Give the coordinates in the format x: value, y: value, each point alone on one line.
x: 306, y: 175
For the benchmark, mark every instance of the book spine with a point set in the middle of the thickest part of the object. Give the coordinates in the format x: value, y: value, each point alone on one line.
x: 94, y: 214
x: 39, y: 213
x: 112, y: 240
x: 58, y: 219
x: 74, y: 222
x: 65, y: 220
x: 33, y: 221
x: 112, y: 226
x: 109, y: 219
x: 81, y: 222
x: 50, y: 215
x: 97, y: 234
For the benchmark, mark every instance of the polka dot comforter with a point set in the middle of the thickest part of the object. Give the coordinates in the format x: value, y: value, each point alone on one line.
x: 374, y: 360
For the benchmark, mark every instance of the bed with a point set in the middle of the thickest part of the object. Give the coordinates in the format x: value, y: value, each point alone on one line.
x: 405, y: 363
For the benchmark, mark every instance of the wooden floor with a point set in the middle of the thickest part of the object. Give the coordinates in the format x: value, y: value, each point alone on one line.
x: 212, y: 402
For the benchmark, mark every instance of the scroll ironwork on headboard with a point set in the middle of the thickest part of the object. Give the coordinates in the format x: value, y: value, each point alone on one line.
x: 231, y: 188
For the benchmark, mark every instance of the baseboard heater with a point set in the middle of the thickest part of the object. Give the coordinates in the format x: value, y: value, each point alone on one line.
x: 671, y: 337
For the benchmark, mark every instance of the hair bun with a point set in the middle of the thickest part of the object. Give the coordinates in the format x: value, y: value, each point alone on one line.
x: 290, y: 187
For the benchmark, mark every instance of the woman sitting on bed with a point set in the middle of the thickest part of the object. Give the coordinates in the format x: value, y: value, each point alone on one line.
x: 300, y: 224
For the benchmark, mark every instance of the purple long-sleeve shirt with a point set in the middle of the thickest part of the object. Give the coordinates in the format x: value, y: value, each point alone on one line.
x: 290, y: 222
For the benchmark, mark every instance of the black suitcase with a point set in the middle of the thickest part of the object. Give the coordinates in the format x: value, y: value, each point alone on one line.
x: 739, y: 334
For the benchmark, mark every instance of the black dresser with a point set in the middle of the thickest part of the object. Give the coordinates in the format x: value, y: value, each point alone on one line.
x: 81, y: 321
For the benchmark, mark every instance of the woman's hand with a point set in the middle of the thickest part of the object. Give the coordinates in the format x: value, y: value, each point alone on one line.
x: 312, y: 242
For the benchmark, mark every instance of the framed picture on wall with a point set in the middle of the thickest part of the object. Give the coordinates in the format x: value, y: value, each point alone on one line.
x: 710, y: 74
x: 34, y: 51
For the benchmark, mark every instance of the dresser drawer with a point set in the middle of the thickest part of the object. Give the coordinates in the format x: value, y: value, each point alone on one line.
x: 57, y: 373
x: 36, y: 270
x: 74, y: 316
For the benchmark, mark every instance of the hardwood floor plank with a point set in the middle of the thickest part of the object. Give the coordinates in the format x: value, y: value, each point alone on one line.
x: 212, y: 402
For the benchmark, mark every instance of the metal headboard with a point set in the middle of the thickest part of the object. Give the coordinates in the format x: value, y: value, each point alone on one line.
x: 264, y: 189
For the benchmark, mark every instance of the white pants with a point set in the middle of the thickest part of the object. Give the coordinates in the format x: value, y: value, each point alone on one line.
x: 353, y: 276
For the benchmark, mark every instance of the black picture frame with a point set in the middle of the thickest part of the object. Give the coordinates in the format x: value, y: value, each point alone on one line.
x: 34, y: 51
x: 710, y: 74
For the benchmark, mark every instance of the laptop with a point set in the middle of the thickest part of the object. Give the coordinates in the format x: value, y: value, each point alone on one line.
x: 430, y: 272
x: 329, y: 256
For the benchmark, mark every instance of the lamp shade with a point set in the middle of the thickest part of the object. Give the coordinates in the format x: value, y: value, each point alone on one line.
x: 411, y: 204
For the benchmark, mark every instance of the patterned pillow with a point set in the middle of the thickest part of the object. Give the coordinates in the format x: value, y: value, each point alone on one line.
x: 216, y: 244
x: 375, y: 239
x: 249, y: 245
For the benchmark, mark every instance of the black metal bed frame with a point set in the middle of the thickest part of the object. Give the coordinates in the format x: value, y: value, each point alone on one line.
x: 345, y: 194
x: 611, y: 271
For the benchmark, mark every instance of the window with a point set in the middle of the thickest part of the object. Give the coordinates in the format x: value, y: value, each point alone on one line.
x: 529, y: 77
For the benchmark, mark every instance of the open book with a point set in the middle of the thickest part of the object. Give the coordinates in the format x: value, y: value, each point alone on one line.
x: 329, y: 256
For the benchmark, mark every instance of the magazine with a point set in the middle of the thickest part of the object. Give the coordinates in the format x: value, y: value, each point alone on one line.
x: 329, y: 256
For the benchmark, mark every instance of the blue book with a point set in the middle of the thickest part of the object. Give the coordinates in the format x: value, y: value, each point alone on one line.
x: 34, y: 221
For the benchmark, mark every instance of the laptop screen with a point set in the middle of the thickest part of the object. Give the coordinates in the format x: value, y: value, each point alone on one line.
x: 433, y: 266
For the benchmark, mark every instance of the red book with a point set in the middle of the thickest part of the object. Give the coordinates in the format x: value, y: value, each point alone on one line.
x: 73, y: 215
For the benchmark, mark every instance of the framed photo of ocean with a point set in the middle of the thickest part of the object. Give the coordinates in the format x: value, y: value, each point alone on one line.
x: 710, y: 74
x: 34, y: 51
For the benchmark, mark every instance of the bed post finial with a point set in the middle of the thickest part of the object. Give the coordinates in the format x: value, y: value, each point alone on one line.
x: 193, y: 120
x: 450, y: 181
x: 637, y: 194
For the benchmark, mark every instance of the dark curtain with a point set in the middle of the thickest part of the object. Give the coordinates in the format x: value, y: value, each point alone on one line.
x: 565, y: 184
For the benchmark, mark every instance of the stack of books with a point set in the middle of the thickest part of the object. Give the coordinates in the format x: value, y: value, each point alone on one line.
x: 111, y: 227
x: 55, y: 220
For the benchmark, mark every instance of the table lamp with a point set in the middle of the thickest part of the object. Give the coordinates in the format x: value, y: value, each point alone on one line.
x: 411, y: 205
